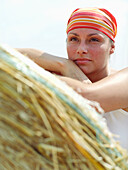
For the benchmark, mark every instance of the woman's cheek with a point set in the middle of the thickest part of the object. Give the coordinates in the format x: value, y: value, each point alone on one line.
x: 71, y: 52
x: 96, y: 53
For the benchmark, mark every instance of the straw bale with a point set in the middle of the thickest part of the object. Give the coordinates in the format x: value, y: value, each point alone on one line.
x: 45, y: 125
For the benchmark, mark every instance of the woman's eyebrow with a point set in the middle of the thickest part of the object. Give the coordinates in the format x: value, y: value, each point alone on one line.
x: 95, y: 34
x: 74, y: 33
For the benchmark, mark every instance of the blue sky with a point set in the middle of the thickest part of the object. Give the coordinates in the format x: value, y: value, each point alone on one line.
x: 42, y: 24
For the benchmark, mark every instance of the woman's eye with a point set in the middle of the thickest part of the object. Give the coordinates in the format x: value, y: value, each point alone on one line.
x: 73, y: 39
x: 94, y: 40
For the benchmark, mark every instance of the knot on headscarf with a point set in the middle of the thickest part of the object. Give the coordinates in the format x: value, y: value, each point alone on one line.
x: 94, y: 18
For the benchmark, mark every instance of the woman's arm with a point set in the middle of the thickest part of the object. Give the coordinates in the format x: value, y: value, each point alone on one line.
x: 54, y: 64
x: 111, y: 92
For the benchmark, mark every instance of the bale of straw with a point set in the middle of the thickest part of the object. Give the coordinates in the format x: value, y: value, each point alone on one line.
x: 45, y: 125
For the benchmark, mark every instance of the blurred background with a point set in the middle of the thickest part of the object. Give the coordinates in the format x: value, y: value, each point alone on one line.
x: 42, y: 24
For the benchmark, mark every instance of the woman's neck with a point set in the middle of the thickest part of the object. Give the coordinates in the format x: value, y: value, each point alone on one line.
x: 94, y: 77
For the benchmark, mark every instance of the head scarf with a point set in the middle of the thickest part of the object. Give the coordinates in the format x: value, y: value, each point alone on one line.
x: 94, y: 18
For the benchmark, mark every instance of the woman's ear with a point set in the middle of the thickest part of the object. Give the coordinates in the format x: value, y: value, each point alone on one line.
x: 112, y: 49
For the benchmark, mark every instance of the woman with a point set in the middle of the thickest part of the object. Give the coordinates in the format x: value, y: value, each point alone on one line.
x: 90, y: 42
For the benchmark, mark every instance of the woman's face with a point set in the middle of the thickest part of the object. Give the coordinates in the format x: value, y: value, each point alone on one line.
x: 90, y: 50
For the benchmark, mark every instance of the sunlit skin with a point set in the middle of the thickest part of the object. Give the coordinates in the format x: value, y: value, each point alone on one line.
x: 90, y: 49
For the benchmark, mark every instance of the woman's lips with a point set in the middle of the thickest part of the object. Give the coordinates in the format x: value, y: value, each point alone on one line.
x: 82, y: 61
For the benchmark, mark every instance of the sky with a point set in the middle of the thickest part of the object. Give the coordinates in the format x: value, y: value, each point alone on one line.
x: 42, y: 24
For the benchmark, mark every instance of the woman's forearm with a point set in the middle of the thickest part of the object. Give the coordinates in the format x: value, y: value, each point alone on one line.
x: 62, y: 66
x: 111, y: 92
x: 45, y: 60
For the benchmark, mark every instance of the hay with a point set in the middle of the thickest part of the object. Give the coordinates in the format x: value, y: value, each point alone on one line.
x: 45, y: 125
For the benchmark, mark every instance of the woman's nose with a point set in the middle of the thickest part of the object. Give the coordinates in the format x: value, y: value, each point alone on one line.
x: 82, y: 49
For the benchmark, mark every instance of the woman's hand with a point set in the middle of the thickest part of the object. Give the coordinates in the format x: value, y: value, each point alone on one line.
x: 70, y: 69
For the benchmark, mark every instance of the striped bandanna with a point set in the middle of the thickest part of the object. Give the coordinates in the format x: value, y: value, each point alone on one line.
x: 94, y: 18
